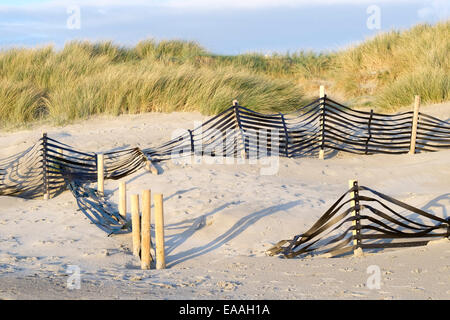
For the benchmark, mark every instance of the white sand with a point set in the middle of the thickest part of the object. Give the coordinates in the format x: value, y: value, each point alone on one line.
x: 220, y: 219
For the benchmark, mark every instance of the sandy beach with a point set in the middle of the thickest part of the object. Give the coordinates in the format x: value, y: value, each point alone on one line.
x: 220, y: 219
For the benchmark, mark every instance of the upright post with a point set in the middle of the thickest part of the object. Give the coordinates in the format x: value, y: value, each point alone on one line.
x: 412, y: 148
x: 369, y: 131
x: 159, y: 232
x: 286, y: 135
x: 322, y: 91
x: 123, y: 199
x: 135, y: 224
x: 354, y: 195
x: 322, y: 123
x: 45, y: 190
x: 145, y: 230
x: 100, y: 173
x: 191, y: 138
x: 238, y: 121
x: 149, y: 166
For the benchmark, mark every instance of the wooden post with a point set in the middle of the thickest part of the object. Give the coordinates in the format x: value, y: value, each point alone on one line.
x: 322, y: 124
x: 322, y: 91
x: 46, y: 193
x: 100, y: 173
x: 159, y: 232
x: 123, y: 199
x: 145, y: 230
x: 369, y: 131
x: 355, y: 213
x: 191, y: 140
x: 412, y: 148
x: 286, y: 136
x: 135, y: 224
x: 236, y: 112
x: 150, y: 167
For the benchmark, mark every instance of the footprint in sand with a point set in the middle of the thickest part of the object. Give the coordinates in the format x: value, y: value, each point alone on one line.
x: 417, y: 289
x: 444, y: 269
x: 228, y: 285
x: 44, y: 243
x: 418, y: 271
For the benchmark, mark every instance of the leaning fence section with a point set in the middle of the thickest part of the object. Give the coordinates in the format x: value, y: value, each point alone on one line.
x: 49, y: 167
x: 365, y: 219
x: 432, y: 133
x: 318, y: 128
x: 322, y: 126
x: 363, y: 132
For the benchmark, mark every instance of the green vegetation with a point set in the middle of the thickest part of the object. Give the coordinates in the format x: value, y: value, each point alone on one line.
x: 392, y: 67
x: 85, y: 78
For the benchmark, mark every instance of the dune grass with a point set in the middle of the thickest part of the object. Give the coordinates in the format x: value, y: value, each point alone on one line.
x: 392, y: 67
x: 85, y: 78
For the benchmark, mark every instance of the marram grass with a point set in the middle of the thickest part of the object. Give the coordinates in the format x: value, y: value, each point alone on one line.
x: 84, y: 78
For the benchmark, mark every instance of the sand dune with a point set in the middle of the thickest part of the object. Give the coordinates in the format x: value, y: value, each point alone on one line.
x: 220, y: 220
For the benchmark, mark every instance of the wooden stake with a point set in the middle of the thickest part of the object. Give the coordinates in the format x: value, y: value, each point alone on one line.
x: 358, y: 250
x: 100, y: 173
x: 159, y: 232
x: 44, y: 167
x: 322, y: 91
x: 352, y: 204
x: 412, y: 148
x: 123, y: 199
x: 236, y: 112
x: 322, y: 125
x: 150, y: 167
x: 145, y: 230
x: 135, y: 224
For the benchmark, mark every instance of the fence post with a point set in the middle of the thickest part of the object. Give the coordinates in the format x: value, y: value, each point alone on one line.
x: 44, y: 167
x: 123, y: 199
x: 286, y: 135
x: 238, y: 120
x: 322, y: 123
x: 159, y: 232
x: 135, y: 224
x: 150, y: 167
x: 145, y: 230
x: 100, y: 173
x: 412, y: 148
x: 357, y: 251
x: 322, y: 91
x: 369, y: 131
x: 191, y: 138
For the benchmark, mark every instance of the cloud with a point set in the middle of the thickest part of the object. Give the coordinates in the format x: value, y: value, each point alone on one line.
x: 196, y: 4
x: 436, y: 9
x: 255, y: 4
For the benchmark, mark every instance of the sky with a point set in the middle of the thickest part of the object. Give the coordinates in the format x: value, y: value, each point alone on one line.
x: 221, y: 26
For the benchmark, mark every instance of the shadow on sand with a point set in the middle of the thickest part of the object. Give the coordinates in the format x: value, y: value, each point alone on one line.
x: 239, y: 227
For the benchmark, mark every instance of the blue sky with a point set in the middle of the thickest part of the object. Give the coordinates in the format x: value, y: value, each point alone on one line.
x: 222, y: 26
